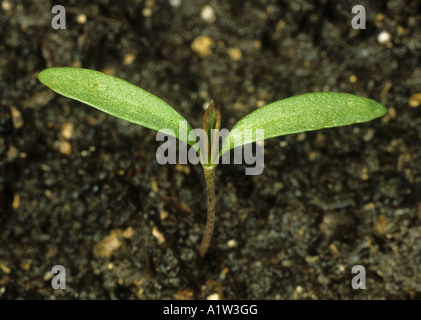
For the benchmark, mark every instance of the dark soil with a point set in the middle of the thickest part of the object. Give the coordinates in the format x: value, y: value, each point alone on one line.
x: 96, y: 201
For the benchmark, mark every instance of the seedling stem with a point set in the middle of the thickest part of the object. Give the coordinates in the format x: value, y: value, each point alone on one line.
x: 210, y: 183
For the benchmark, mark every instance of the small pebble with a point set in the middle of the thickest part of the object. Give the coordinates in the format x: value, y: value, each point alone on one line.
x: 175, y: 3
x: 81, y: 18
x: 158, y: 235
x: 392, y: 113
x: 286, y: 263
x: 369, y: 135
x: 208, y: 14
x: 299, y: 289
x: 240, y: 106
x: 4, y: 268
x: 24, y: 266
x: 163, y: 215
x: 235, y: 54
x: 213, y: 296
x: 128, y: 59
x: 380, y: 225
x: 322, y: 279
x: 186, y: 294
x: 154, y: 186
x: 183, y: 168
x: 260, y: 103
x: 384, y: 37
x: 257, y: 44
x: 205, y: 105
x: 415, y: 100
x: 202, y: 45
x: 231, y: 243
x: 128, y: 233
x: 67, y: 130
x: 12, y: 152
x: 16, y: 202
x: 16, y: 117
x: 147, y: 12
x: 48, y: 276
x: 64, y: 147
x: 84, y: 153
x: 333, y: 248
x: 312, y: 259
x: 109, y: 244
x: 369, y: 206
x: 6, y: 6
x: 364, y: 174
x: 301, y: 136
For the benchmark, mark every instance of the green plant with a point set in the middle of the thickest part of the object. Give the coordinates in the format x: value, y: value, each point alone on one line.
x: 307, y: 112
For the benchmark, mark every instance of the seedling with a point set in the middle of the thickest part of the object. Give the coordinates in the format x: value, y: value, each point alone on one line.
x: 307, y: 112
